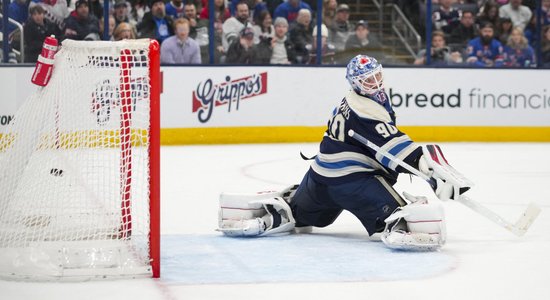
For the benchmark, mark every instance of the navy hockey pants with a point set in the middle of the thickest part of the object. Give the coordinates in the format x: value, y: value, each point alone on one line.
x: 371, y: 199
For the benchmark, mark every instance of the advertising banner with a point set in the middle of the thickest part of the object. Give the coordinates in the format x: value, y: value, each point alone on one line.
x: 279, y: 96
x: 204, y: 97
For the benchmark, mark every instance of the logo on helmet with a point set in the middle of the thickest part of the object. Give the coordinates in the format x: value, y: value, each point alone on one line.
x: 364, y: 60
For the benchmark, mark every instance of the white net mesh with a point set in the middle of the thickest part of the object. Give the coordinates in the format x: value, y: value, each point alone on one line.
x: 74, y: 175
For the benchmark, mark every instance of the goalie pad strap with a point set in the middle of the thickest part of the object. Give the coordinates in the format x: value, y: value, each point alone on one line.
x: 276, y: 216
x: 289, y: 192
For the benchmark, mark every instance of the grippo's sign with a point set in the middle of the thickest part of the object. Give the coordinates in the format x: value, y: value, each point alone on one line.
x: 209, y: 95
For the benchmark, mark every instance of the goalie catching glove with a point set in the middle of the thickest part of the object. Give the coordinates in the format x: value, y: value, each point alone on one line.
x: 446, y: 182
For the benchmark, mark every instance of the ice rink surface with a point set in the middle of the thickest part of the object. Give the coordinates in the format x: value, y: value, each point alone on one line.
x: 480, y: 260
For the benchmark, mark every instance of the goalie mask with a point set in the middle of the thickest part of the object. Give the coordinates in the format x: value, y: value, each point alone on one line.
x: 364, y: 74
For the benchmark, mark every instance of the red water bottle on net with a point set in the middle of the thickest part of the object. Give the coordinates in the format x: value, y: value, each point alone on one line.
x: 44, y: 64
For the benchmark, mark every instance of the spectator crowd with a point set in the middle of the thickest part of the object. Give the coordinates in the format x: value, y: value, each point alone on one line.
x: 491, y: 33
x: 488, y: 33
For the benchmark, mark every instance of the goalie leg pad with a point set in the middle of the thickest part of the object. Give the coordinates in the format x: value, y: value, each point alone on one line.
x: 279, y: 217
x: 419, y: 226
x: 254, y: 214
x: 238, y: 228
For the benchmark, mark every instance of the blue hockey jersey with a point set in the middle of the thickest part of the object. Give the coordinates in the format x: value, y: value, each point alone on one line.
x: 486, y: 55
x: 519, y: 57
x: 342, y: 158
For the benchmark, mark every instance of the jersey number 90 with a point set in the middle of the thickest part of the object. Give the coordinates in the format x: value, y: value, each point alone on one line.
x: 336, y: 127
x: 385, y: 129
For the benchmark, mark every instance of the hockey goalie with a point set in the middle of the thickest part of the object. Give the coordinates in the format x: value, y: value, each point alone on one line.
x: 347, y: 175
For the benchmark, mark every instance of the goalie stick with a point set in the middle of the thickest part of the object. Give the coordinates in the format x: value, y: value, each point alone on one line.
x: 519, y: 228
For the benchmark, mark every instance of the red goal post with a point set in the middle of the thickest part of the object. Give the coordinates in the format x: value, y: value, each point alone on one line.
x: 154, y: 152
x: 80, y: 168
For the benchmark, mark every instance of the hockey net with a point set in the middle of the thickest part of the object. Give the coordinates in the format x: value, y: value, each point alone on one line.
x: 79, y: 168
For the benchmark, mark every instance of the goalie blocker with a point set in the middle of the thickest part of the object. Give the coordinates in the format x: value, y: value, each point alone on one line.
x: 446, y: 181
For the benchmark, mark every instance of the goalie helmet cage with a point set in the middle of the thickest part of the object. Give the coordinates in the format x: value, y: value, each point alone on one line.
x: 79, y: 168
